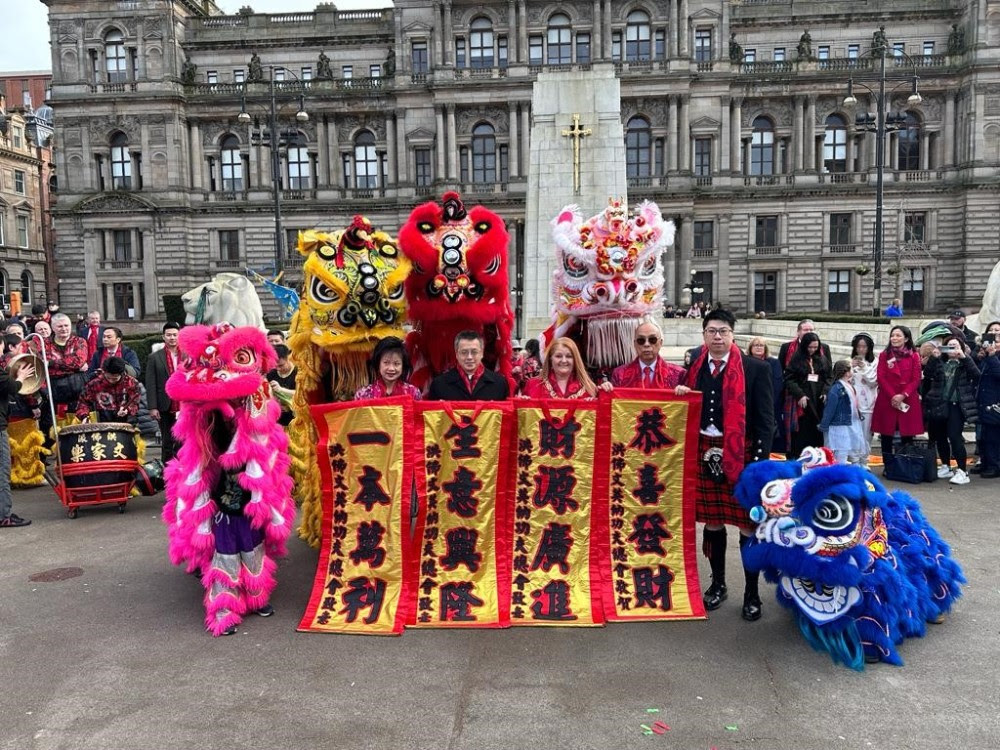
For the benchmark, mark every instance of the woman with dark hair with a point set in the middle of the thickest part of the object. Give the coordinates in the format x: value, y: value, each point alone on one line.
x: 865, y: 381
x: 897, y: 406
x: 388, y: 368
x: 807, y: 379
x: 530, y: 364
x: 950, y: 380
x: 988, y: 401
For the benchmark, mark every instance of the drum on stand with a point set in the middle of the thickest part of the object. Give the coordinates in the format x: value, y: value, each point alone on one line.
x: 98, y: 454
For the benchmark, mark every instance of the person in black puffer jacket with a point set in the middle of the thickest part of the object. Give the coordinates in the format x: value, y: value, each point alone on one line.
x: 950, y: 378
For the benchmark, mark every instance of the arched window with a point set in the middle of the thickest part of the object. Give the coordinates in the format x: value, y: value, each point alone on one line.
x: 365, y: 161
x: 299, y: 170
x: 762, y: 147
x: 484, y: 153
x: 835, y: 144
x: 481, y: 43
x: 114, y: 57
x: 121, y: 163
x: 908, y: 138
x: 638, y: 139
x: 27, y: 289
x: 559, y: 40
x: 232, y: 164
x: 637, y: 36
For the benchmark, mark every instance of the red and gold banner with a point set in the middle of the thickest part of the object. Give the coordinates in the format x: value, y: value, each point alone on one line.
x: 556, y: 569
x: 648, y: 469
x: 461, y: 548
x: 367, y: 478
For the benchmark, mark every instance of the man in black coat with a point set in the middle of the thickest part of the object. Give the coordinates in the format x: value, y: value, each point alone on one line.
x: 788, y: 348
x: 159, y: 367
x: 470, y: 381
x: 731, y: 435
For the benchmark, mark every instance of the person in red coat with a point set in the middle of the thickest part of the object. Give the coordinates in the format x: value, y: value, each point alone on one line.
x: 563, y: 374
x: 897, y: 406
x: 648, y: 369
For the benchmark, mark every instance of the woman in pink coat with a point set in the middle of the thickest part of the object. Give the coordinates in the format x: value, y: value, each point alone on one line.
x: 897, y: 406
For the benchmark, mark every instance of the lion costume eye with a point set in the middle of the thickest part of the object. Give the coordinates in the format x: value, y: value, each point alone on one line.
x: 321, y: 292
x: 425, y: 227
x: 834, y: 513
x: 326, y: 252
x: 244, y: 357
x: 574, y: 269
x: 648, y: 268
x: 396, y: 294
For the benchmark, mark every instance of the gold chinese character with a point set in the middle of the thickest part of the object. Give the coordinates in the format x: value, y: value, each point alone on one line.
x: 97, y: 451
x: 119, y: 451
x: 76, y: 454
x: 95, y: 437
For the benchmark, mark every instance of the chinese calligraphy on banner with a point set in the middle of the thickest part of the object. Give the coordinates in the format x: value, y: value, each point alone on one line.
x: 367, y: 479
x: 530, y: 513
x: 463, y: 575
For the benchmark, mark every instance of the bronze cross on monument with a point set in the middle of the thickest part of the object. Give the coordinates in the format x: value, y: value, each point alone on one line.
x: 576, y: 133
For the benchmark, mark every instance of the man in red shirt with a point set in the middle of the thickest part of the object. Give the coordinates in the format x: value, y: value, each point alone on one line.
x: 648, y: 369
x: 113, y: 394
x: 112, y: 346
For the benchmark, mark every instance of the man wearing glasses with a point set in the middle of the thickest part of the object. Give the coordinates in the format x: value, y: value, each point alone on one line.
x: 471, y: 380
x: 648, y: 369
x: 737, y: 425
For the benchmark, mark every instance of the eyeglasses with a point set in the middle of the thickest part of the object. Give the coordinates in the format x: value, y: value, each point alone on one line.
x: 641, y: 340
x: 718, y: 331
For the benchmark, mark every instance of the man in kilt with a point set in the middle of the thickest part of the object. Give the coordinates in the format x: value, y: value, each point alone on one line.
x: 737, y: 425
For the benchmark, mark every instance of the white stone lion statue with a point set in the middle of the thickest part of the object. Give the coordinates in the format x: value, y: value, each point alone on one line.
x: 228, y: 297
x: 990, y: 310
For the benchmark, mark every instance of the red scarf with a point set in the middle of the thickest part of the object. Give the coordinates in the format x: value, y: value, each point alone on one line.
x: 174, y: 406
x: 92, y: 345
x: 793, y: 345
x: 734, y: 409
x: 470, y: 383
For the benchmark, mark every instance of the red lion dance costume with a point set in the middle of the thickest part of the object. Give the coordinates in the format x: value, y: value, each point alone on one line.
x: 229, y: 508
x: 458, y: 282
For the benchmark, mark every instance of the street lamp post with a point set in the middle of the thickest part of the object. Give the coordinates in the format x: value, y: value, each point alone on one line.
x: 274, y: 141
x: 881, y: 127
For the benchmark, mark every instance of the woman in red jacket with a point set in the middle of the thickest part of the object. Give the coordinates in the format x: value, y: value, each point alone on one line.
x: 897, y: 406
x: 563, y: 374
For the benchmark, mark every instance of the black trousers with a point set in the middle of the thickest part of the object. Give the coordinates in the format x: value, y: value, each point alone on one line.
x: 170, y: 444
x: 947, y: 436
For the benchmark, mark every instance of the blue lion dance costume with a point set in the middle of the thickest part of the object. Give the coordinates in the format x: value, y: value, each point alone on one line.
x: 860, y: 566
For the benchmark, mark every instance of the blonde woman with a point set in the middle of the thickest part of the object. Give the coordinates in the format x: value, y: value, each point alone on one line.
x: 563, y: 374
x: 758, y: 349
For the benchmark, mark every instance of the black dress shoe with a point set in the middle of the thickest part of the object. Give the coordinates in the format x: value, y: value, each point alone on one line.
x: 751, y: 608
x: 990, y: 474
x: 714, y: 596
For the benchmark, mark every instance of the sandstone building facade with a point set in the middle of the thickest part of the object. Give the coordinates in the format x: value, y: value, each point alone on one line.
x: 733, y: 113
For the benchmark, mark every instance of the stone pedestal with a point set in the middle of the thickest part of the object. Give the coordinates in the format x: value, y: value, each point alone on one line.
x: 594, y: 95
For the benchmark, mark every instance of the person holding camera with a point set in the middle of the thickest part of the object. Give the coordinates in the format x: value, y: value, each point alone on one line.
x: 950, y: 378
x: 988, y: 403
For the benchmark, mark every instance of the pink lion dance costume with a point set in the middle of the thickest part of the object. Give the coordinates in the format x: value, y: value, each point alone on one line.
x: 229, y: 509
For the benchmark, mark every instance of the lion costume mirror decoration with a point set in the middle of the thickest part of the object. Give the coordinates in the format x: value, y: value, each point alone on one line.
x: 459, y: 282
x: 227, y: 298
x: 609, y: 276
x: 861, y: 567
x: 353, y: 297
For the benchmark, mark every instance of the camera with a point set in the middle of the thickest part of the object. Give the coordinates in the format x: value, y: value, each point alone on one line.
x: 989, y: 338
x: 946, y: 349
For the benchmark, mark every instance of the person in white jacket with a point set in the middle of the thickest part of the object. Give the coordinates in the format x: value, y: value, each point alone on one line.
x: 865, y: 380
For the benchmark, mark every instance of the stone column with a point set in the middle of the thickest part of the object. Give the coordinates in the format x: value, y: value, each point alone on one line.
x: 735, y: 135
x: 606, y: 30
x: 809, y: 142
x: 596, y: 34
x: 849, y: 153
x: 522, y: 31
x: 442, y: 150
x: 892, y: 152
x: 449, y: 36
x: 452, y: 144
x: 682, y: 29
x: 724, y: 143
x: 948, y: 145
x: 512, y: 46
x: 438, y: 38
x: 925, y: 149
x: 722, y: 243
x: 798, y: 134
x: 322, y: 154
x: 403, y: 160
x: 684, y: 156
x: 672, y: 134
x: 515, y: 150
x: 390, y: 150
x: 778, y: 162
x: 333, y: 149
x: 671, y: 40
x: 526, y: 131
x: 197, y: 157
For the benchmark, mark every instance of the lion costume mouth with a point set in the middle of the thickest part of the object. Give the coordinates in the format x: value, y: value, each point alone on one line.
x: 821, y: 603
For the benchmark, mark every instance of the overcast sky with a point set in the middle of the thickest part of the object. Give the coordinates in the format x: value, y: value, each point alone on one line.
x: 26, y: 31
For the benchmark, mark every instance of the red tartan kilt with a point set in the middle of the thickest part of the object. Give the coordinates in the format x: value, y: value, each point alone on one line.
x: 714, y: 501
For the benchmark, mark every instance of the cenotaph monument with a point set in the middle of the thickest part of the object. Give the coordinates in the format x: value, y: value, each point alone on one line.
x: 577, y: 156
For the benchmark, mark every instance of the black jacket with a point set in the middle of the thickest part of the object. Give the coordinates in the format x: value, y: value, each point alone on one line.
x: 449, y: 387
x: 966, y: 383
x: 8, y: 387
x: 156, y: 381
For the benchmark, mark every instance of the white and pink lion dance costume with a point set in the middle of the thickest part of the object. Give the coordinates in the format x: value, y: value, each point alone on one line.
x: 609, y: 277
x: 229, y: 509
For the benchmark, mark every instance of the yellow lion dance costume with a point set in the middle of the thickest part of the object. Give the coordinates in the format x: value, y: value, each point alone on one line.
x: 26, y: 450
x: 353, y: 297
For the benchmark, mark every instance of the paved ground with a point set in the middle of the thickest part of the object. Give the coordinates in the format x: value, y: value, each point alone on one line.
x: 116, y: 658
